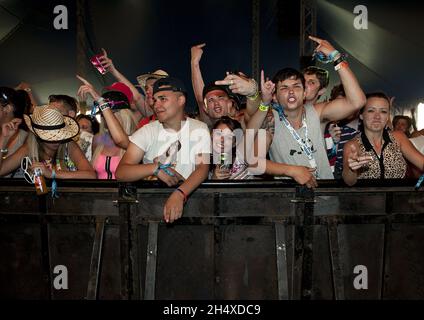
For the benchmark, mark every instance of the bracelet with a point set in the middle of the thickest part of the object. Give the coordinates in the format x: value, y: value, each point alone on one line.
x: 342, y: 64
x: 256, y: 94
x: 5, y: 150
x: 183, y: 193
x: 155, y: 173
x: 332, y: 55
x: 342, y: 58
x: 263, y: 107
x: 163, y: 167
x: 102, y: 103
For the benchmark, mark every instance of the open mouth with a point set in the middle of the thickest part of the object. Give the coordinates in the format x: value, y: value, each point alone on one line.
x: 291, y: 99
x: 217, y: 109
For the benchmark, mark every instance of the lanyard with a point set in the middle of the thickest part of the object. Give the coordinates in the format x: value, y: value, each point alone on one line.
x: 303, y: 145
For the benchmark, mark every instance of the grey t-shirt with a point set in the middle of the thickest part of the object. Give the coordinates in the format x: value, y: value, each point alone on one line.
x: 285, y: 149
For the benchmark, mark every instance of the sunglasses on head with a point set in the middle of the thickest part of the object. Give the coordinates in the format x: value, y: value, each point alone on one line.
x: 26, y: 164
x: 4, y: 100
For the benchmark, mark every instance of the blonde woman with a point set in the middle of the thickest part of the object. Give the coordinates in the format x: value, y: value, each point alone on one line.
x: 117, y: 124
x: 49, y: 146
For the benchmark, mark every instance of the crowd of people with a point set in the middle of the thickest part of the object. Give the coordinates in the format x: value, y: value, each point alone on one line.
x: 243, y: 129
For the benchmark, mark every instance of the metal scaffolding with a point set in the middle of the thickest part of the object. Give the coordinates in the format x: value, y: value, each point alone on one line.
x: 308, y: 26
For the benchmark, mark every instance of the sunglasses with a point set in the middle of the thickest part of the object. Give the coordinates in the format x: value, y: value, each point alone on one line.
x: 26, y: 164
x: 4, y: 100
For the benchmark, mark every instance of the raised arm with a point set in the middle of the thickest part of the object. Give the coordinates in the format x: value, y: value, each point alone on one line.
x: 139, y: 100
x: 339, y: 109
x: 245, y: 86
x: 118, y: 134
x: 263, y: 113
x: 197, y: 81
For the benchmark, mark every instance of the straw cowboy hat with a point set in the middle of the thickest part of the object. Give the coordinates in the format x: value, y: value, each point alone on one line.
x: 49, y: 124
x: 158, y: 74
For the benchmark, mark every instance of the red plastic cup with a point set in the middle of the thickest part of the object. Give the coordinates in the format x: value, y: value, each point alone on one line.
x: 96, y: 63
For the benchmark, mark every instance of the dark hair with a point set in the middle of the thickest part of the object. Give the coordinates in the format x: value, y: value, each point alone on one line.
x: 8, y: 96
x: 68, y: 102
x: 407, y: 119
x: 322, y: 75
x: 94, y: 123
x: 288, y: 73
x: 24, y: 102
x: 232, y: 125
x: 337, y: 91
x: 377, y: 94
x: 14, y: 98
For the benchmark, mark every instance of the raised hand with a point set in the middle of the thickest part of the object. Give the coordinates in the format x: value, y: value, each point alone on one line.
x: 335, y: 132
x: 85, y: 89
x: 197, y: 52
x: 106, y: 62
x: 323, y: 45
x: 356, y: 160
x: 267, y: 89
x: 239, y: 83
x: 8, y: 129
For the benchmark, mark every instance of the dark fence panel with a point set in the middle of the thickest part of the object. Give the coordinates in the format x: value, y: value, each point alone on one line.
x: 236, y: 240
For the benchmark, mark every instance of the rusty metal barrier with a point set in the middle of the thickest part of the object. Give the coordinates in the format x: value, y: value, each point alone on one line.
x: 236, y: 240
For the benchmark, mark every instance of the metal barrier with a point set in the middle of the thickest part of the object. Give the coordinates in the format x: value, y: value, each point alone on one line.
x: 236, y: 240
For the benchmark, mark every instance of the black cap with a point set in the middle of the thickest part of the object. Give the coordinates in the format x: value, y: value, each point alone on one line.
x: 212, y: 86
x: 169, y: 84
x: 117, y: 100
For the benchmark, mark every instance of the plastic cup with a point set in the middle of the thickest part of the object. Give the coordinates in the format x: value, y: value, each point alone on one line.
x: 95, y: 60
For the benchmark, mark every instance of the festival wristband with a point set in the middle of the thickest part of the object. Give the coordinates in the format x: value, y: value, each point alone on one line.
x: 263, y: 107
x: 183, y: 193
x: 341, y: 65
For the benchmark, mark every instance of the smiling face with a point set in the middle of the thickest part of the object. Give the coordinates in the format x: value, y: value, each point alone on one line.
x: 223, y: 139
x: 376, y: 114
x: 290, y: 93
x: 312, y: 85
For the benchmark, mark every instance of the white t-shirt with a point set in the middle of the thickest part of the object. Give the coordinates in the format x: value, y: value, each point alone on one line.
x: 418, y: 142
x: 177, y: 148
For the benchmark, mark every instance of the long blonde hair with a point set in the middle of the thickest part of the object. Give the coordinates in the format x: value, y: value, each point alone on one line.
x: 127, y: 123
x: 35, y: 148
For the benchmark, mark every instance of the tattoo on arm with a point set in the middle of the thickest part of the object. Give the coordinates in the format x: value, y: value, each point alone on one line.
x: 269, y: 123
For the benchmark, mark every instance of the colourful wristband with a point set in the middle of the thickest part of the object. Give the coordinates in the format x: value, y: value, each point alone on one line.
x: 263, y: 107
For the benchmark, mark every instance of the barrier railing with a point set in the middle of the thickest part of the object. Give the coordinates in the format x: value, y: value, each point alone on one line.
x: 236, y: 240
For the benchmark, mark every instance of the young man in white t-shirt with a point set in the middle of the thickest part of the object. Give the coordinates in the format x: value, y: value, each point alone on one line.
x: 173, y: 148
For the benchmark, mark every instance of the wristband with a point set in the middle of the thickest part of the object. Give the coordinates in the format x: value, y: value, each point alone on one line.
x: 263, y: 107
x: 256, y: 94
x: 183, y: 193
x: 341, y: 65
x: 332, y: 55
x: 342, y: 58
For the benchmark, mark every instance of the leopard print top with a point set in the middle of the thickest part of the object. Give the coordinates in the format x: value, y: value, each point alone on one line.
x: 391, y: 164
